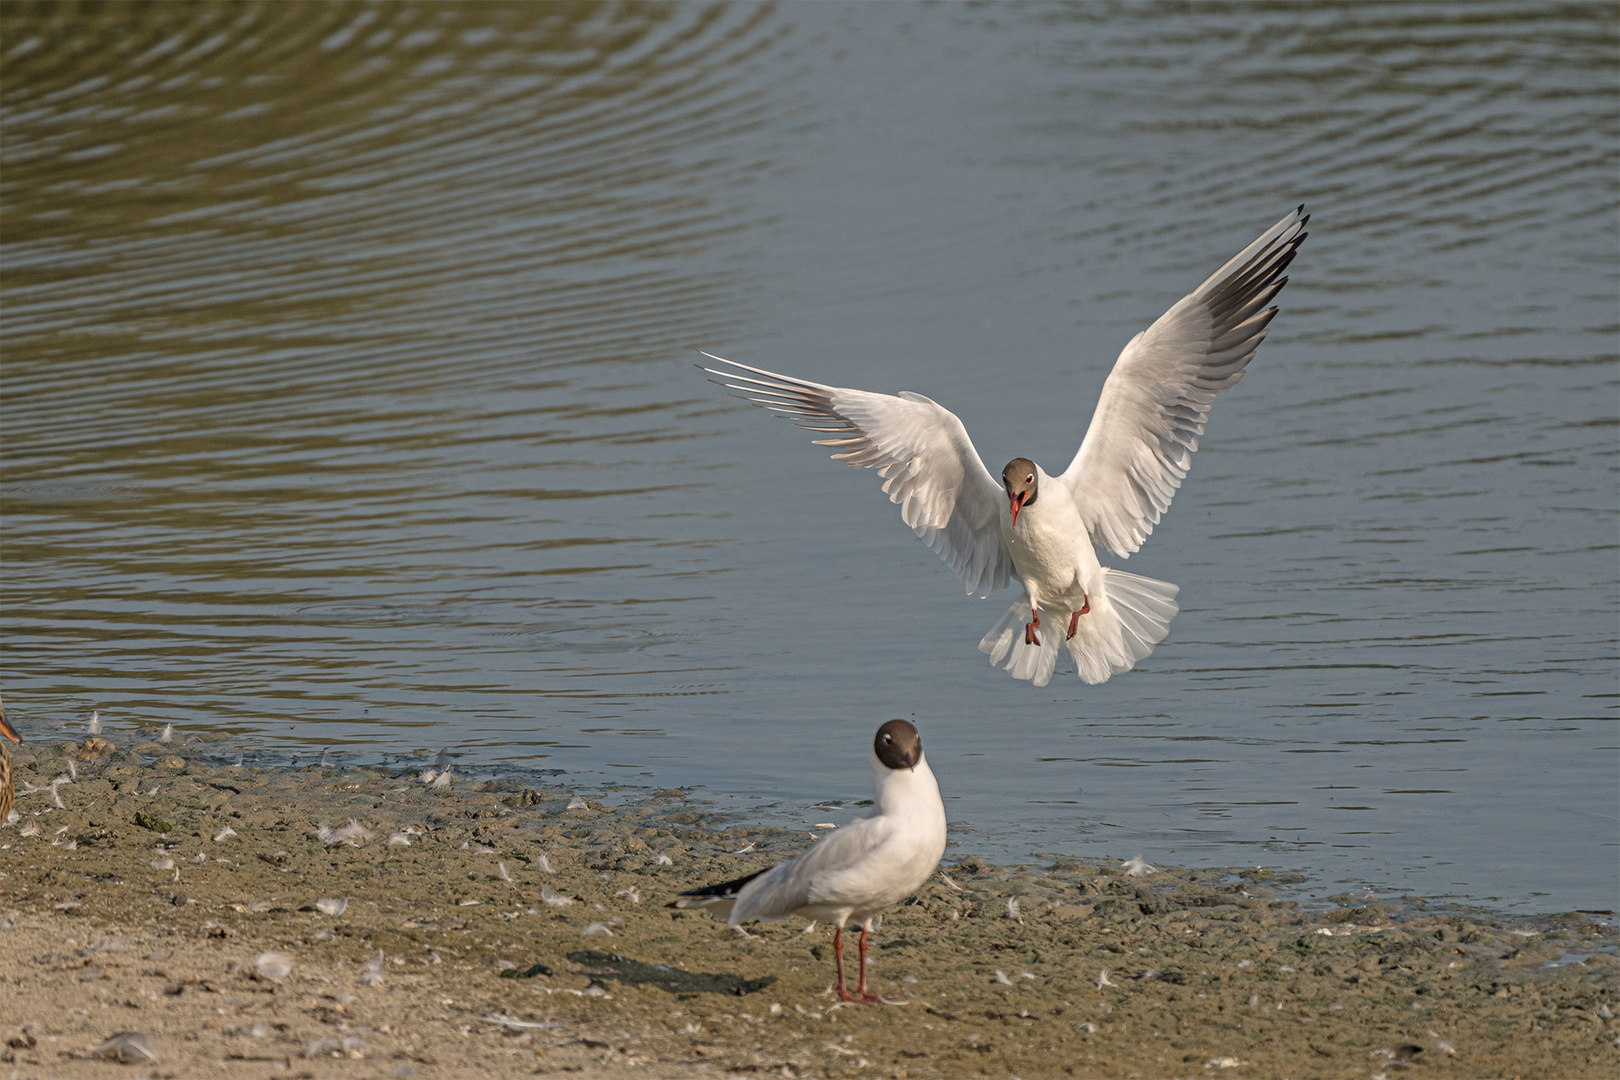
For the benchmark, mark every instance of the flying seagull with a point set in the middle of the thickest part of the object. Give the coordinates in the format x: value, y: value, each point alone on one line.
x: 871, y: 863
x: 1044, y: 529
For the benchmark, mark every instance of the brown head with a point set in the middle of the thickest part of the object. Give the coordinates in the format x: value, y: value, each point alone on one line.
x: 1018, y: 479
x: 898, y: 745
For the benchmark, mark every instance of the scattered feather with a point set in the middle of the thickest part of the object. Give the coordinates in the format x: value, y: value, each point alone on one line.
x: 512, y: 1023
x: 427, y: 775
x: 331, y: 906
x: 811, y: 928
x: 596, y: 928
x: 163, y: 864
x: 502, y: 868
x: 324, y: 935
x: 371, y: 971
x: 946, y: 878
x: 555, y: 899
x: 354, y: 834
x: 30, y: 829
x: 1001, y: 978
x: 1138, y: 867
x: 1102, y: 979
x: 1445, y: 1047
x: 224, y: 834
x: 95, y: 723
x: 1088, y: 1027
x: 664, y: 860
x: 443, y: 779
x: 1012, y: 910
x: 577, y: 803
x: 1025, y: 975
x: 595, y: 989
x: 399, y: 839
x: 72, y: 771
x: 1222, y: 1063
x: 744, y: 850
x: 129, y: 1047
x: 631, y: 894
x: 200, y: 857
x: 168, y: 733
x: 824, y: 825
x: 321, y: 1046
x: 543, y: 865
x: 273, y: 965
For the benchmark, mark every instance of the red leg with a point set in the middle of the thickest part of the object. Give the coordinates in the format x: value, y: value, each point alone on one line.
x: 1074, y: 619
x: 1030, y: 636
x: 861, y: 991
x: 838, y: 955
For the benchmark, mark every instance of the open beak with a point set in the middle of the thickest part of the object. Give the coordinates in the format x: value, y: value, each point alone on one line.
x: 1015, y: 504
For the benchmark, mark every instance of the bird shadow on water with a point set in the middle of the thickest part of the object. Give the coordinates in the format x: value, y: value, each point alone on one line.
x: 634, y: 973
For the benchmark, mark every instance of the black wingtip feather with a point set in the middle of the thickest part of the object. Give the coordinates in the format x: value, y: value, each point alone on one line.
x: 728, y: 888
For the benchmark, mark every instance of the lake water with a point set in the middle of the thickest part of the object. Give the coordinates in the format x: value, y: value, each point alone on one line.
x: 347, y: 402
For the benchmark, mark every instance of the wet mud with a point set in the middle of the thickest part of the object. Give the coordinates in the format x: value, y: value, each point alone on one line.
x: 178, y: 917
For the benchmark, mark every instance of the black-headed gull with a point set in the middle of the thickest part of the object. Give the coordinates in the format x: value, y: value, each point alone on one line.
x: 871, y: 863
x: 1043, y: 529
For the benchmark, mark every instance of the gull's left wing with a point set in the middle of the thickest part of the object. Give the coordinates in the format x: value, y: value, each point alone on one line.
x: 1154, y: 404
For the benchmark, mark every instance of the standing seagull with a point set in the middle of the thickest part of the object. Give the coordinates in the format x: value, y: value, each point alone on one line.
x: 854, y: 873
x: 1135, y: 454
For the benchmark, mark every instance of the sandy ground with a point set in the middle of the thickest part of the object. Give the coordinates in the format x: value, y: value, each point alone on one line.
x: 111, y: 926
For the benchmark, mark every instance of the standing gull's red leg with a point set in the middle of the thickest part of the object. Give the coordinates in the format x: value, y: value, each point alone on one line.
x: 838, y: 954
x: 861, y: 991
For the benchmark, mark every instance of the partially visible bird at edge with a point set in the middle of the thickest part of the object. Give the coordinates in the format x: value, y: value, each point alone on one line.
x: 8, y: 782
x: 1041, y: 529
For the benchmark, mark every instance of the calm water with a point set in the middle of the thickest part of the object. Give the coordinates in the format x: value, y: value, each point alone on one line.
x: 347, y: 402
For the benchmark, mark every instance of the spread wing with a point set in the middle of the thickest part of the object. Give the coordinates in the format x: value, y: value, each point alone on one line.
x: 1154, y: 404
x: 921, y: 450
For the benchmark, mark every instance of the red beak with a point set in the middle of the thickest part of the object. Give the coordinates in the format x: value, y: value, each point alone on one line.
x: 1015, y: 504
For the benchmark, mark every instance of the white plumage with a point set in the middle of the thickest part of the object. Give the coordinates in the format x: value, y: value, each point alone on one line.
x: 1134, y: 456
x: 870, y: 864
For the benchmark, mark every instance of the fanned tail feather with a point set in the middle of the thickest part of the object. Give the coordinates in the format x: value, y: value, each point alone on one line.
x: 1129, y: 617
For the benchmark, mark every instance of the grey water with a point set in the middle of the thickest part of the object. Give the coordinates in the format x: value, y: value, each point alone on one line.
x: 347, y: 402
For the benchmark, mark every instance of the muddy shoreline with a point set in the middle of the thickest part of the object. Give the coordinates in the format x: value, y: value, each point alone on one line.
x: 358, y: 922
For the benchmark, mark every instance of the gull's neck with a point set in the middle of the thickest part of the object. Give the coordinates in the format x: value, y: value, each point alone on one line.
x: 898, y: 791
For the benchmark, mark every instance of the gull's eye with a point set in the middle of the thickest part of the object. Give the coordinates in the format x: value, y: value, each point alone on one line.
x: 1030, y: 479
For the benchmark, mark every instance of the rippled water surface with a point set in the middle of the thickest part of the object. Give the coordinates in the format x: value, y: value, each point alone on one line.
x: 347, y: 402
